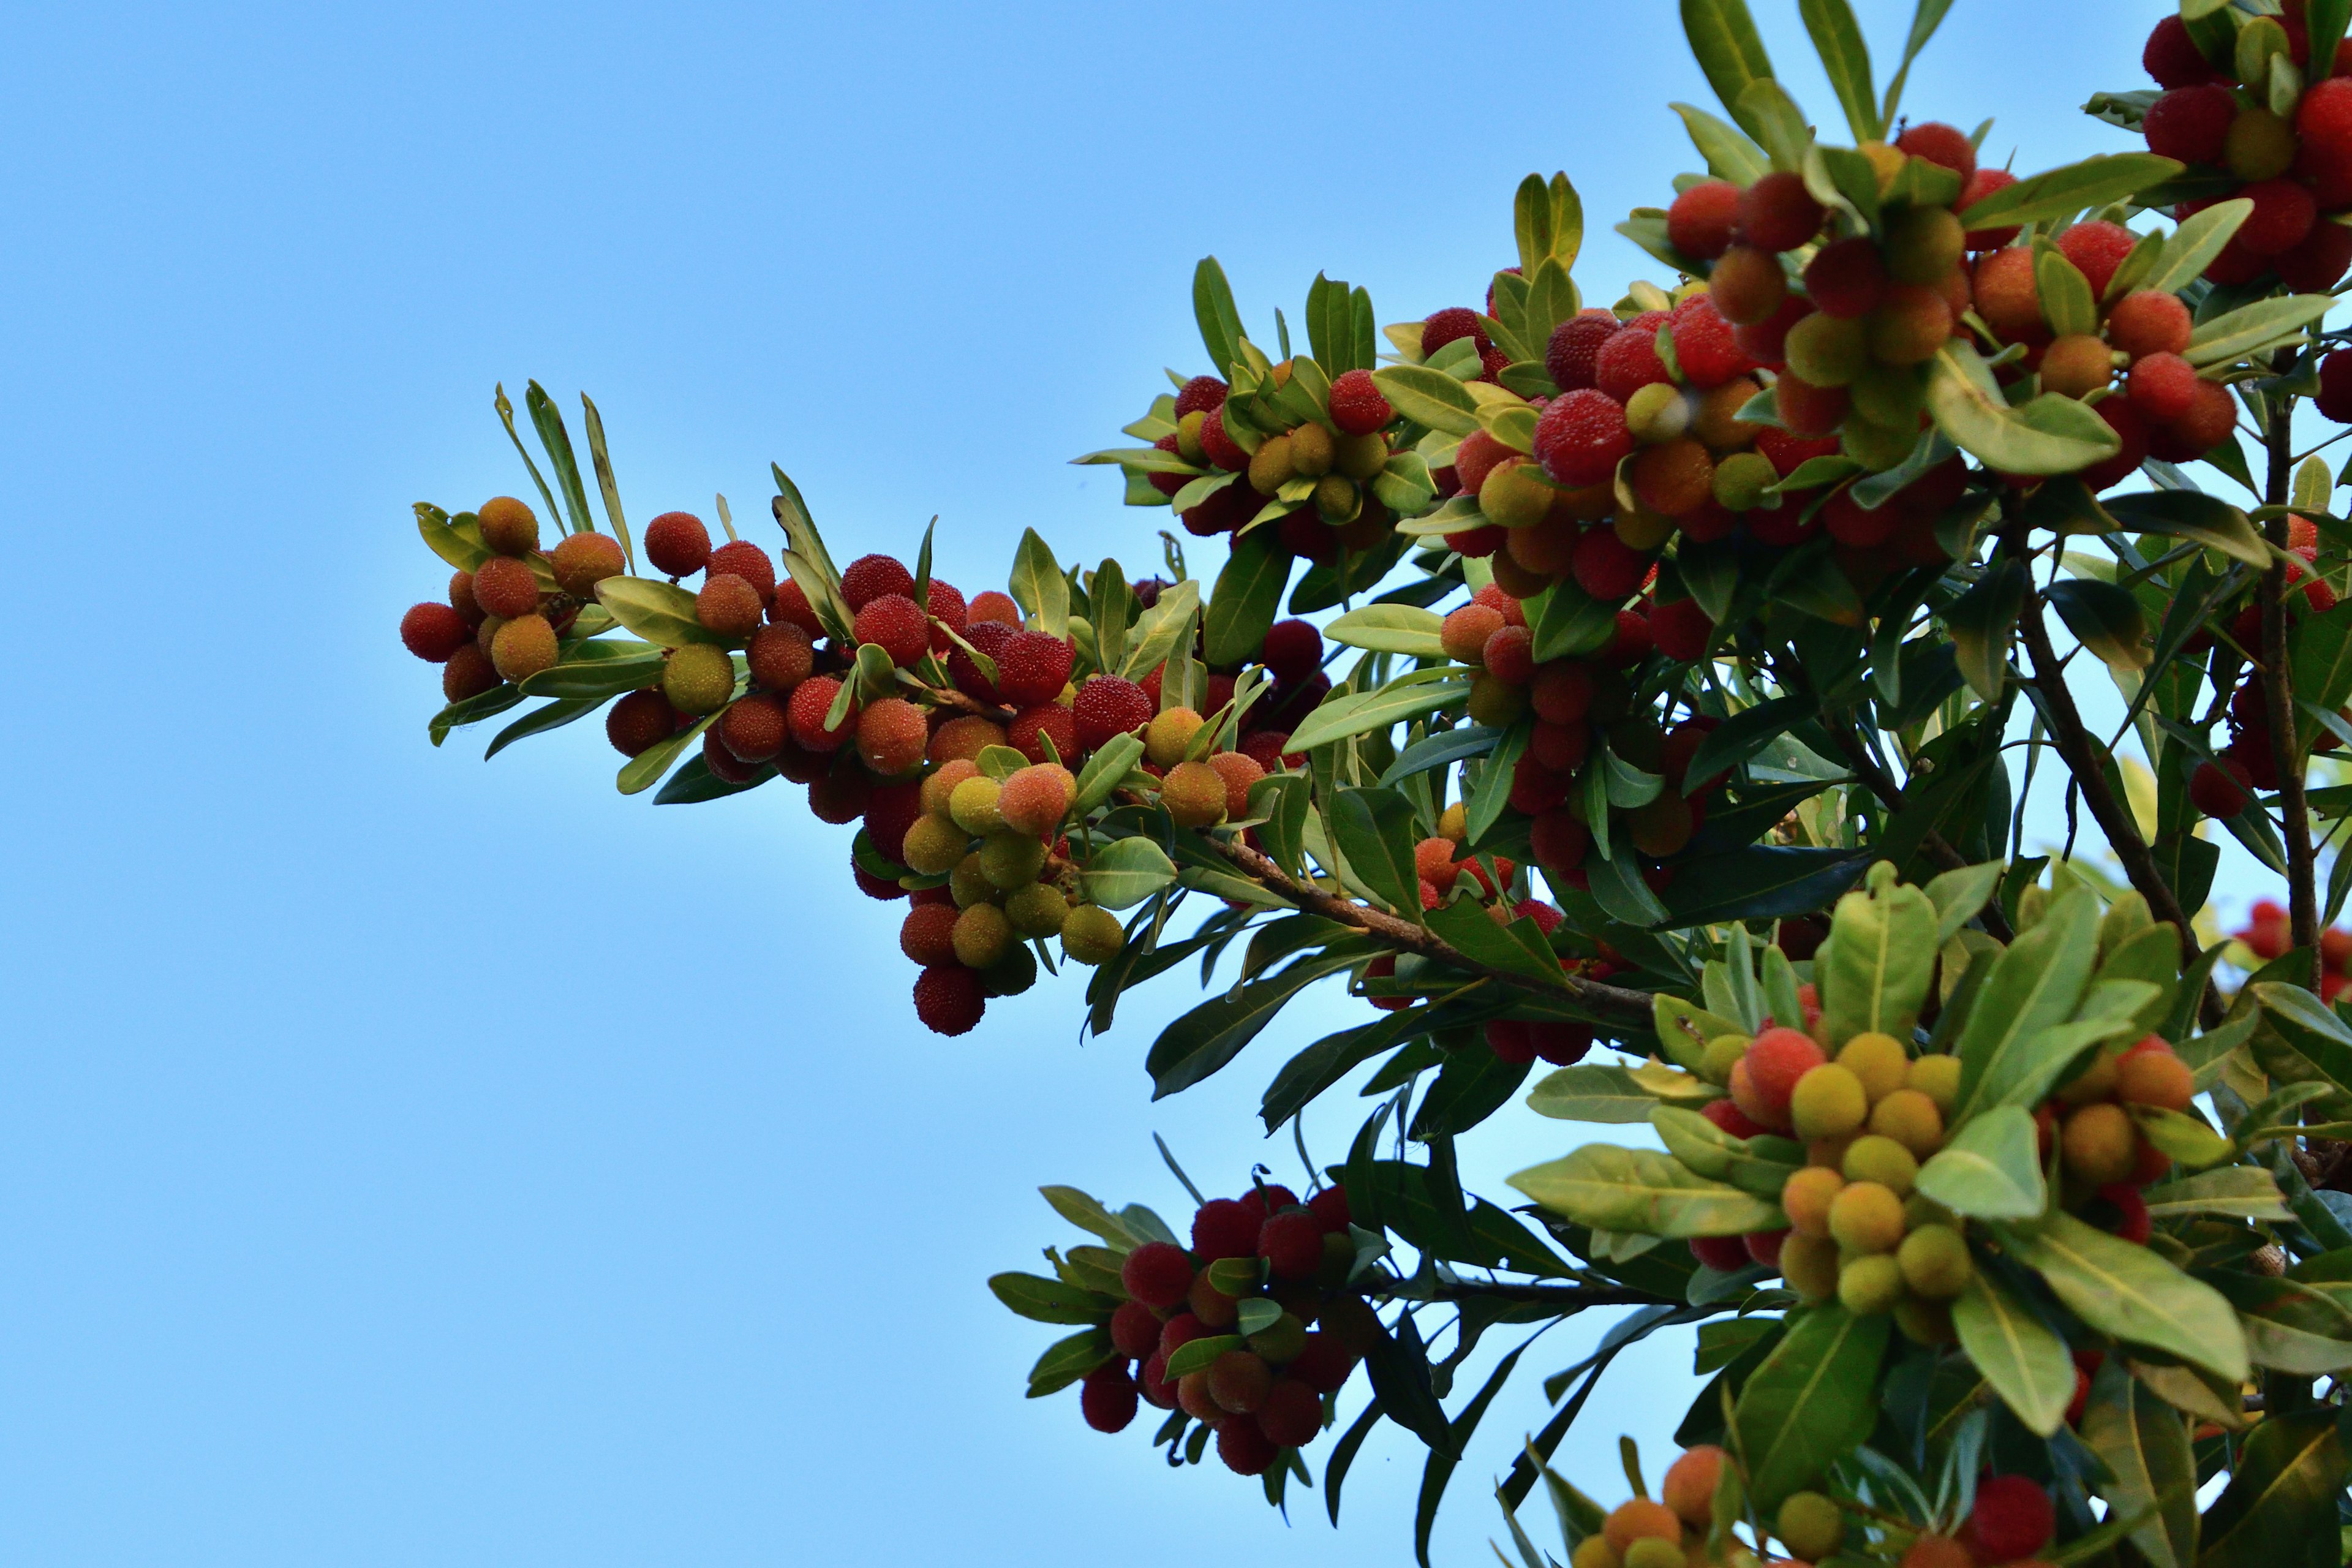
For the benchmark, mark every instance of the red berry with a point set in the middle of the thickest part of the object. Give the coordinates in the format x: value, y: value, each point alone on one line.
x: 2323, y: 120
x: 1940, y: 144
x: 1575, y: 345
x: 1777, y: 212
x: 947, y: 999
x: 1774, y: 1063
x: 1631, y: 642
x: 2284, y: 213
x: 2317, y: 264
x: 2013, y: 1518
x: 1200, y: 394
x: 1606, y: 567
x: 2131, y: 429
x: 1324, y: 1364
x: 1358, y: 407
x: 1580, y: 437
x: 1051, y: 720
x: 871, y: 576
x: 1764, y: 1246
x: 2334, y: 399
x: 890, y: 810
x: 1134, y: 1329
x: 1330, y: 1208
x: 1705, y: 346
x: 1726, y: 1254
x: 1108, y: 706
x: 2144, y: 321
x: 2098, y: 248
x: 1681, y: 630
x: 1982, y: 184
x: 1766, y: 342
x: 1450, y: 325
x: 1292, y: 1244
x: 1107, y: 1398
x: 2221, y: 788
x: 1700, y: 222
x: 1727, y: 1115
x: 677, y: 544
x: 897, y: 625
x: 1846, y: 278
x: 790, y: 607
x: 1034, y: 667
x: 1157, y: 1274
x: 1292, y: 1414
x: 1243, y: 1447
x: 1479, y: 454
x: 1789, y: 452
x: 746, y: 560
x: 2163, y: 386
x: 2191, y: 124
x: 2172, y: 56
x: 1224, y: 1228
x: 989, y: 637
x: 1629, y: 362
x: 433, y: 632
x: 811, y: 701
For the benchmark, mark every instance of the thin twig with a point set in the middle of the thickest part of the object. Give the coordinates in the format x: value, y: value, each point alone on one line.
x: 2278, y: 699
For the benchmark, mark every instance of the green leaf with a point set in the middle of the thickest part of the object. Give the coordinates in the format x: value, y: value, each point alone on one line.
x: 660, y: 612
x: 1248, y: 593
x: 1573, y: 623
x: 1068, y: 1361
x: 1591, y: 1091
x: 1881, y: 955
x: 2106, y: 619
x: 1205, y: 1039
x: 2236, y: 1191
x: 1221, y: 323
x: 538, y: 721
x: 1375, y: 829
x: 2193, y: 247
x: 1760, y: 882
x: 2302, y: 1040
x: 1607, y: 1187
x: 1039, y: 587
x: 1747, y: 732
x: 2033, y: 985
x: 1372, y: 710
x: 1391, y: 628
x: 1958, y: 895
x: 1925, y: 18
x: 2183, y: 1136
x: 1766, y: 109
x: 1166, y: 625
x: 1088, y: 1214
x: 645, y: 770
x: 506, y: 416
x: 2025, y: 1361
x: 1429, y: 397
x: 599, y: 670
x: 1548, y: 220
x: 2252, y: 329
x: 1837, y: 37
x: 2145, y: 1445
x: 1981, y: 622
x: 1123, y: 873
x: 1991, y: 1169
x: 2279, y: 1510
x: 1049, y: 1301
x: 455, y: 547
x: 2191, y: 514
x: 1104, y: 772
x: 1282, y: 801
x: 1519, y: 947
x: 2131, y: 1292
x: 1813, y: 1399
x: 2049, y: 435
x: 2290, y: 1325
x: 2066, y: 301
x: 2063, y: 192
x: 1729, y: 154
x: 1731, y: 56
x: 1196, y: 1355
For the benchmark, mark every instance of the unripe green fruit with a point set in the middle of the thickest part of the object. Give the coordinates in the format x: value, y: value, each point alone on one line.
x: 1938, y: 1077
x: 1867, y: 1217
x: 1010, y: 860
x: 1935, y: 1262
x: 1038, y: 909
x: 1194, y: 795
x: 982, y: 936
x: 1362, y: 456
x: 1312, y: 451
x: 1188, y: 437
x: 1868, y: 1284
x: 1911, y: 1119
x: 1723, y: 1053
x: 1875, y: 447
x: 933, y: 846
x: 1091, y: 935
x: 1515, y: 495
x: 1496, y: 702
x: 1651, y: 1552
x: 1925, y: 1322
x: 1010, y: 975
x: 2077, y: 365
x: 1809, y: 1265
x: 1810, y: 1525
x: 1879, y: 1060
x: 1828, y: 351
x: 1338, y: 1259
x: 1741, y: 479
x: 1594, y: 1551
x: 967, y: 885
x: 1828, y: 1102
x: 1170, y: 735
x: 1658, y: 412
x: 1269, y: 466
x: 1280, y: 1340
x: 1923, y: 244
x: 699, y: 679
x: 1919, y: 1209
x: 2259, y: 145
x: 1875, y: 1158
x: 973, y: 805
x: 1891, y: 395
x: 1337, y: 498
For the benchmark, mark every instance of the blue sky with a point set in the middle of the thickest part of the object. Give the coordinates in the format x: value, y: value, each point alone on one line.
x: 404, y: 1159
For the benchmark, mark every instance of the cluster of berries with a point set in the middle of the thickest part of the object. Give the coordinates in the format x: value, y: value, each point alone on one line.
x: 1303, y: 463
x: 506, y: 618
x: 2012, y: 1518
x: 2241, y: 112
x: 2268, y: 936
x: 2104, y: 1157
x: 1866, y: 1120
x: 1250, y: 1331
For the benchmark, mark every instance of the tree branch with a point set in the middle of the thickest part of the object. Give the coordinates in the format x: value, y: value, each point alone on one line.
x: 2278, y: 696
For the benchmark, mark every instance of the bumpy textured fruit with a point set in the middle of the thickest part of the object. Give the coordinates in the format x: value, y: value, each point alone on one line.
x: 1938, y: 1077
x: 1810, y: 1524
x: 1108, y: 706
x: 1777, y: 212
x: 1640, y: 1519
x: 1878, y: 1059
x: 1157, y: 1274
x: 1772, y: 1066
x: 1651, y: 1552
x: 1168, y: 735
x: 1033, y: 668
x: 1923, y: 244
x: 505, y: 587
x: 1580, y: 437
x: 1700, y: 222
x: 2100, y: 1143
x: 745, y: 560
x: 2007, y: 295
x: 2075, y: 365
x: 870, y: 576
x: 2154, y: 1077
x: 1866, y: 1217
x: 509, y: 527
x: 810, y: 706
x: 1829, y: 1101
x: 1880, y: 1160
x: 2097, y: 248
x: 1911, y: 1119
x: 1806, y: 1197
x: 523, y: 646
x: 1035, y: 798
x: 1809, y: 1265
x: 1107, y: 1398
x: 753, y: 729
x: 581, y: 561
x: 1011, y: 859
x: 896, y: 624
x: 676, y: 544
x: 1091, y: 935
x: 781, y: 657
x: 947, y: 999
x: 729, y: 605
x: 1935, y: 1262
x: 433, y: 632
x: 1358, y: 407
x: 1749, y: 289
x: 928, y: 937
x: 640, y: 722
x: 1037, y: 910
x: 983, y: 935
x: 1870, y: 1282
x: 1194, y: 795
x: 699, y: 679
x: 2013, y: 1519
x: 972, y: 804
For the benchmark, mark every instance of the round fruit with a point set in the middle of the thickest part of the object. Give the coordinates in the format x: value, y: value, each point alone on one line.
x: 1935, y: 1262
x: 676, y: 544
x: 509, y: 527
x: 1865, y: 1217
x: 699, y: 679
x: 1810, y: 1524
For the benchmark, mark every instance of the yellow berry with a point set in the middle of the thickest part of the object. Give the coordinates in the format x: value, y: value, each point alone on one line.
x: 1938, y: 1078
x: 1870, y: 1283
x: 1911, y: 1119
x: 1879, y: 1060
x: 1806, y: 1197
x: 1866, y: 1217
x: 1829, y: 1101
x: 1876, y: 1157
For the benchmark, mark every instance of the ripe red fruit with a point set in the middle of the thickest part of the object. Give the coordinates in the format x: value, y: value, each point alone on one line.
x: 2172, y: 58
x: 895, y: 623
x: 1631, y: 642
x: 1244, y: 1449
x: 790, y: 607
x: 928, y: 936
x: 1777, y: 212
x: 1764, y: 1246
x: 640, y: 722
x: 1108, y: 706
x: 1294, y: 650
x: 1292, y: 1244
x: 2191, y: 124
x: 677, y: 544
x: 1509, y: 654
x: 1357, y: 405
x: 988, y: 638
x: 2145, y: 321
x: 2317, y: 264
x: 1774, y: 1063
x: 1939, y: 144
x: 1705, y: 346
x: 2013, y: 1519
x: 1574, y: 345
x: 1700, y: 222
x: 1324, y: 1364
x: 1200, y: 394
x: 2163, y: 386
x: 433, y: 632
x: 812, y: 700
x: 2323, y: 120
x: 1727, y: 1115
x: 1134, y: 1330
x: 1157, y: 1274
x: 1330, y: 1210
x: 753, y: 729
x: 1808, y: 410
x: 1982, y: 184
x: 871, y: 576
x: 2098, y: 248
x: 2334, y: 399
x: 1680, y: 628
x: 1223, y: 449
x: 1766, y: 341
x: 506, y: 587
x: 1053, y: 721
x: 2284, y: 213
x: 1789, y: 452
x: 947, y: 999
x: 1292, y: 1414
x: 1450, y: 325
x: 1606, y: 567
x: 1224, y: 1228
x: 746, y: 560
x: 1107, y: 1398
x: 1479, y: 454
x: 1629, y: 362
x: 1726, y: 1254
x: 1846, y: 278
x: 1580, y: 437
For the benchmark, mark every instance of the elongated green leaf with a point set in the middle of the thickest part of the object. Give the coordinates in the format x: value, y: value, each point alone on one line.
x: 1837, y: 37
x: 2301, y: 1040
x: 1881, y: 955
x: 1209, y: 1036
x: 2066, y: 301
x: 2126, y: 1290
x: 549, y: 422
x: 1990, y: 1170
x: 1049, y: 1301
x: 1729, y: 154
x: 1591, y: 1091
x: 538, y: 721
x: 2033, y: 986
x: 660, y: 612
x: 1959, y: 895
x: 2192, y: 246
x: 1389, y: 705
x: 2049, y: 435
x: 2238, y: 1191
x: 1375, y: 829
x: 1730, y: 54
x: 2061, y: 193
x: 2191, y: 514
x: 1068, y: 1361
x: 1039, y: 587
x: 1759, y: 882
x: 2145, y: 1445
x: 1248, y: 593
x: 1813, y: 1399
x: 447, y: 540
x: 2024, y: 1360
x: 1166, y: 625
x: 1519, y: 947
x: 1610, y: 1188
x: 2279, y: 1510
x: 2105, y: 619
x: 1429, y: 397
x: 646, y: 769
x: 1391, y: 628
x: 1124, y: 873
x: 586, y: 674
x: 2290, y: 1325
x: 1982, y: 622
x: 1220, y: 323
x: 1573, y: 623
x: 1747, y: 732
x: 2251, y: 329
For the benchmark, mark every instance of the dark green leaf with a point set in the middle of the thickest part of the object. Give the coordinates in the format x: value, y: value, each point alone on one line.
x: 1068, y: 1361
x: 1209, y: 1036
x: 1760, y: 882
x: 2126, y: 1290
x: 1375, y: 829
x: 1248, y: 593
x: 1730, y: 54
x: 1221, y: 323
x: 1838, y: 39
x: 2280, y: 1510
x: 1049, y: 1301
x: 1813, y: 1398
